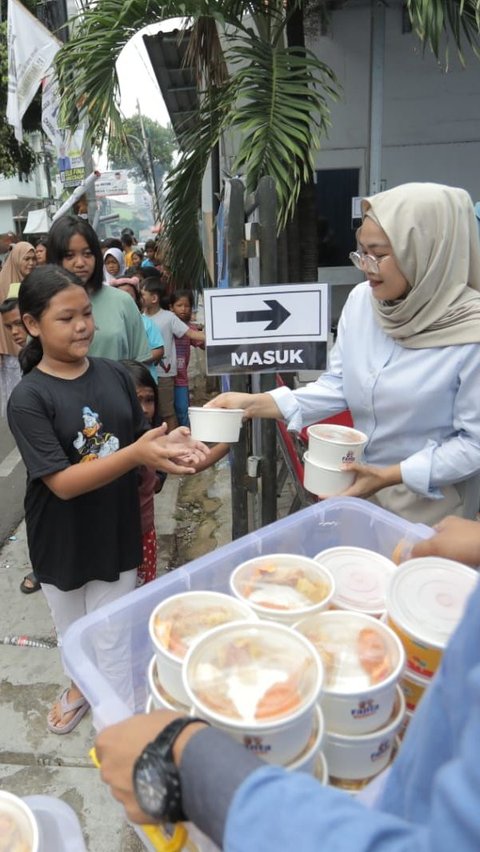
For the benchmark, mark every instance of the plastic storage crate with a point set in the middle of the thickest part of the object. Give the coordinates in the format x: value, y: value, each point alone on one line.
x: 108, y: 651
x: 59, y: 828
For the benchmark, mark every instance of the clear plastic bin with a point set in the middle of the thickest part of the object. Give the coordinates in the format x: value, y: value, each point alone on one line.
x: 108, y: 651
x: 59, y: 828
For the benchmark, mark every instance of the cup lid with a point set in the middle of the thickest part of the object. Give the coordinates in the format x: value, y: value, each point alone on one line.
x: 18, y: 823
x: 252, y: 674
x: 282, y: 582
x: 426, y: 597
x: 178, y: 621
x: 358, y: 652
x: 361, y: 577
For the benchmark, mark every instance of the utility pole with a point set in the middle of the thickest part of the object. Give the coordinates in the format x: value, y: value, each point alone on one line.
x: 149, y: 160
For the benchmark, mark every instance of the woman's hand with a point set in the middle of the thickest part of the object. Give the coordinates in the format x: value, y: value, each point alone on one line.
x: 456, y: 538
x: 370, y: 479
x: 253, y: 404
x: 175, y: 453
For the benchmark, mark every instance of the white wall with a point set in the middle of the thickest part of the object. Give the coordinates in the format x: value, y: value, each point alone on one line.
x: 431, y: 117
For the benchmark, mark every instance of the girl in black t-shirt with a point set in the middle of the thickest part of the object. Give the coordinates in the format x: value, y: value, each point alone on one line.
x: 81, y: 434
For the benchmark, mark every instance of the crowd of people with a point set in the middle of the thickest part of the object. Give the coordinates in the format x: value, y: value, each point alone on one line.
x: 102, y: 349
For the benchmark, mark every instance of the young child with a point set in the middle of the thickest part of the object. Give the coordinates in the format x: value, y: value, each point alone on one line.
x: 130, y: 284
x: 181, y: 303
x: 113, y: 264
x: 12, y: 323
x: 82, y: 434
x: 147, y: 395
x: 149, y: 256
x: 153, y: 292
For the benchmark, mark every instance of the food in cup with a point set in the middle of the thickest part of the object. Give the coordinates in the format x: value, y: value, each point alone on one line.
x: 258, y: 683
x: 283, y: 585
x: 363, y: 660
x: 351, y: 654
x: 177, y: 622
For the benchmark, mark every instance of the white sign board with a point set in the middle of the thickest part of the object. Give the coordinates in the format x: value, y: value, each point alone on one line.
x: 111, y: 183
x: 266, y: 329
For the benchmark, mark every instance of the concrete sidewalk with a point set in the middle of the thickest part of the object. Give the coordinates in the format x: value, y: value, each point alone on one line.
x: 32, y: 760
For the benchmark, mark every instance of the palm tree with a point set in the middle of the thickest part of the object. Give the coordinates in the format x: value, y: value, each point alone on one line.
x: 253, y: 81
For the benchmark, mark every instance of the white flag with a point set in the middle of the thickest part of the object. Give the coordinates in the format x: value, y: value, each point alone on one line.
x: 31, y: 51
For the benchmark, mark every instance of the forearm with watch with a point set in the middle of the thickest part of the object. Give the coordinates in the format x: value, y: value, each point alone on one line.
x: 191, y: 772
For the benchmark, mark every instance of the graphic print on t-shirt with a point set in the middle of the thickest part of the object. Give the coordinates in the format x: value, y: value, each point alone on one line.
x: 91, y: 443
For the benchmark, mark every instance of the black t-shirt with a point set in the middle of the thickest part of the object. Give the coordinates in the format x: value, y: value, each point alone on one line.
x: 58, y: 422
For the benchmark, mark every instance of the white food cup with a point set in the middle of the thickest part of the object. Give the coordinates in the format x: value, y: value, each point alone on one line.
x: 331, y: 446
x: 159, y: 698
x: 325, y: 482
x: 351, y: 706
x: 361, y: 577
x: 23, y: 822
x: 321, y: 769
x: 365, y: 755
x: 307, y: 760
x: 215, y: 424
x: 169, y: 664
x: 277, y: 601
x: 229, y: 672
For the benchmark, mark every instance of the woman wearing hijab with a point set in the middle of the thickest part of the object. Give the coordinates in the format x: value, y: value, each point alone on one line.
x: 407, y: 357
x: 18, y: 263
x: 113, y: 264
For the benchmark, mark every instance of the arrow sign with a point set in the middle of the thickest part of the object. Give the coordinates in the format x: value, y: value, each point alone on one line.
x: 276, y: 315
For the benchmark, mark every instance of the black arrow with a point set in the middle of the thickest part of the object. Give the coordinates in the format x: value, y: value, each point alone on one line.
x: 276, y: 315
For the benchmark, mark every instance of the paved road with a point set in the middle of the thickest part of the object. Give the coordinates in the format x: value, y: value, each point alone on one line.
x: 12, y: 483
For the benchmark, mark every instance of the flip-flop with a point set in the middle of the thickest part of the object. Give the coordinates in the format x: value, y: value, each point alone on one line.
x: 81, y: 706
x: 34, y: 587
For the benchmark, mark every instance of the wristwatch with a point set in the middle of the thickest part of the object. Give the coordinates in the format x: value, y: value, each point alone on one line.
x: 156, y: 779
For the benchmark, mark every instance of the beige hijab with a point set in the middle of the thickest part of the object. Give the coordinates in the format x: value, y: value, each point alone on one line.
x: 433, y: 233
x: 9, y: 274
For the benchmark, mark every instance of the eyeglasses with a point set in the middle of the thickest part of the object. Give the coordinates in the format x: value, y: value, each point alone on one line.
x: 362, y: 261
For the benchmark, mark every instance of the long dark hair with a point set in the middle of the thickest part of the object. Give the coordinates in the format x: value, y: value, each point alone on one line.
x: 36, y: 291
x: 142, y: 377
x: 58, y: 243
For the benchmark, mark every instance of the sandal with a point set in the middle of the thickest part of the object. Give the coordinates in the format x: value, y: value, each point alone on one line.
x: 30, y: 584
x: 81, y: 706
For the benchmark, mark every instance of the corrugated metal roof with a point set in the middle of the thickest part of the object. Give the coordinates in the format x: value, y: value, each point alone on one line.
x: 177, y: 83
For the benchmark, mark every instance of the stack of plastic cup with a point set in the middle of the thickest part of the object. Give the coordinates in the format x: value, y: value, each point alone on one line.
x: 329, y: 447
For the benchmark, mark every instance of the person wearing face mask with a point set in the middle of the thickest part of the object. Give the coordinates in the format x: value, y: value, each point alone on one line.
x: 407, y: 358
x: 18, y: 263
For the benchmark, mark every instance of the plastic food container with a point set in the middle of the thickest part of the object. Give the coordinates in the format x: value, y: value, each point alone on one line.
x: 160, y: 699
x: 215, y: 424
x: 361, y: 577
x: 322, y: 481
x: 283, y: 587
x: 178, y: 622
x: 59, y: 828
x: 363, y: 660
x: 413, y: 686
x: 18, y: 826
x: 332, y: 523
x: 425, y: 601
x: 331, y: 446
x: 365, y: 755
x: 259, y: 683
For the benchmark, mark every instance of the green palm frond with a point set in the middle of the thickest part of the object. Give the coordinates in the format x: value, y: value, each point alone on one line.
x: 281, y: 111
x: 436, y: 21
x: 184, y: 186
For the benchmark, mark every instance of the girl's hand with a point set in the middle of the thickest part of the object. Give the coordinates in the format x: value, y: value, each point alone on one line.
x: 253, y: 404
x: 173, y: 453
x: 370, y: 479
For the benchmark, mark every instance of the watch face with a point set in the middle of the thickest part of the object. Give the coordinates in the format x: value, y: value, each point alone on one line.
x: 152, y: 788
